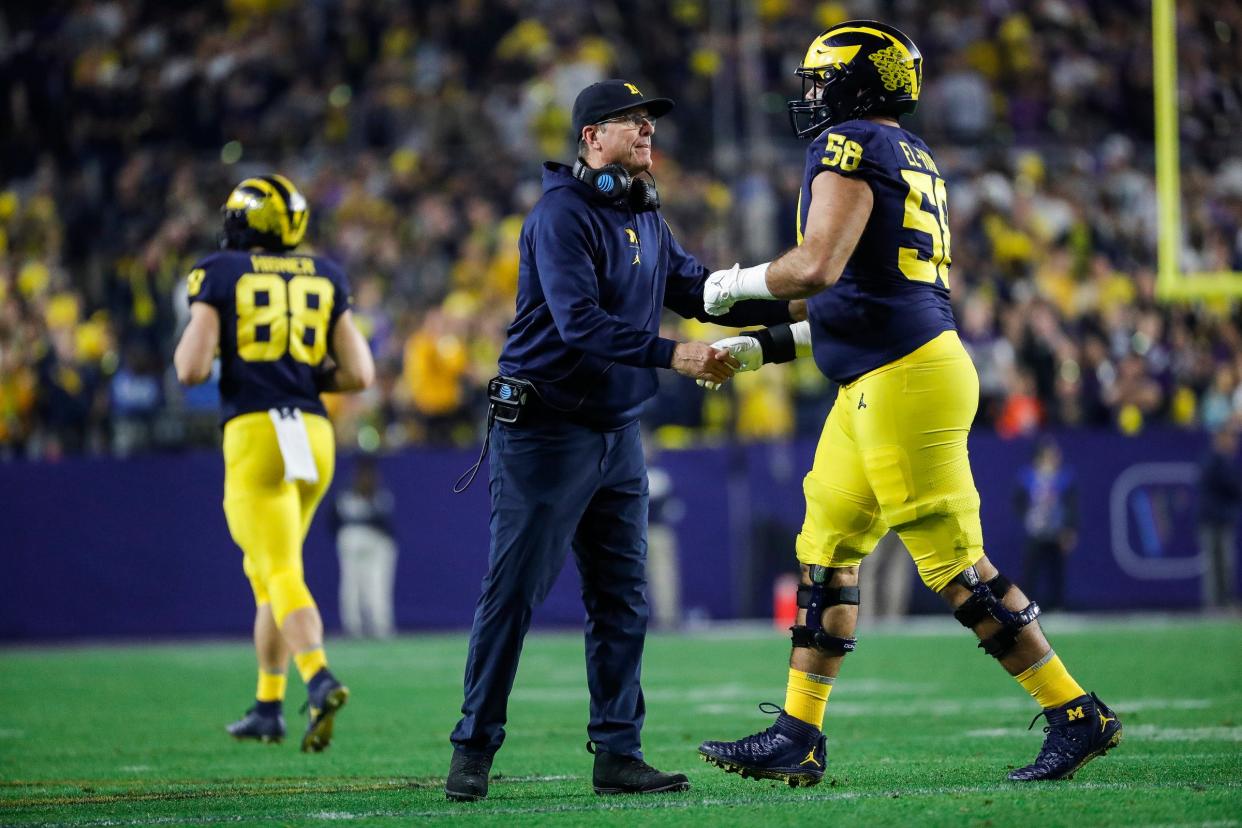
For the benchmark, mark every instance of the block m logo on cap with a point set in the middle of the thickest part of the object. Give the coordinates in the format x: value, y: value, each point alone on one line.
x: 633, y: 89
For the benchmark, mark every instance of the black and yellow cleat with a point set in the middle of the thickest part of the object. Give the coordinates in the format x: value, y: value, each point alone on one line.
x: 1078, y: 732
x: 326, y: 696
x: 258, y: 726
x: 790, y: 751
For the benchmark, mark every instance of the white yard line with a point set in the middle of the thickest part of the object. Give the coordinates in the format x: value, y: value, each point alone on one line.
x: 671, y: 802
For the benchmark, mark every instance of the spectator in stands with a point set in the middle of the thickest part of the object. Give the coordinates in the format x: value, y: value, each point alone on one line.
x: 1022, y: 413
x: 435, y: 364
x: 123, y: 121
x: 135, y: 393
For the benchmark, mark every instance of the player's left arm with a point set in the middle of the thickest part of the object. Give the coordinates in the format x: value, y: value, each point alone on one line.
x: 354, y: 367
x: 197, y: 348
x: 835, y: 221
x: 349, y: 365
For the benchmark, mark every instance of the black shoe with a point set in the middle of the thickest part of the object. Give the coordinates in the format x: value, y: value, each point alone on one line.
x: 791, y: 751
x: 618, y: 774
x: 467, y: 776
x: 261, y: 727
x: 1078, y: 731
x: 325, y: 696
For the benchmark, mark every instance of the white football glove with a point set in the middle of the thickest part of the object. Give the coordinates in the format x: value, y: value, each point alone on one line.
x: 720, y: 291
x: 745, y: 349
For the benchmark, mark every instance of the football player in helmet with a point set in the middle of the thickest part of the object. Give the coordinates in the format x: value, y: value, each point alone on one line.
x: 873, y: 260
x: 281, y: 323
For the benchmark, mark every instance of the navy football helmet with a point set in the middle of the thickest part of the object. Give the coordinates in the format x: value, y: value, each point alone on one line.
x: 854, y: 69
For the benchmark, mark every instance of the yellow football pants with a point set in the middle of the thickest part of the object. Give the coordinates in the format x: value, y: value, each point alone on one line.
x: 893, y: 455
x: 268, y: 516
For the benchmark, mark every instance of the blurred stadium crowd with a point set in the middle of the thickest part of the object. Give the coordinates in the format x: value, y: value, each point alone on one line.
x: 417, y: 129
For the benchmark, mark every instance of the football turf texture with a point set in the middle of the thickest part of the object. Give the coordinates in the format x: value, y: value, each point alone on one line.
x: 922, y: 727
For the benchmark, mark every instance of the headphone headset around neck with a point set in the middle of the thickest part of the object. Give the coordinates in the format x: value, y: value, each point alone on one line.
x: 614, y: 181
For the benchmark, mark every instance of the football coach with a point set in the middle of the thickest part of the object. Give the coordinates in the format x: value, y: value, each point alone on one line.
x: 598, y: 266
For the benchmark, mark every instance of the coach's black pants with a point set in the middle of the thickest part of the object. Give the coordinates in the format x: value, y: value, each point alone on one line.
x: 553, y: 488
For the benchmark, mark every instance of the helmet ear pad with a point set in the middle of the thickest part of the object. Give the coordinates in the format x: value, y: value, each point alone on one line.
x: 846, y: 95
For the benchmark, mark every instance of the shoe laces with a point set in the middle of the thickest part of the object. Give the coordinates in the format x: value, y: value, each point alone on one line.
x: 764, y: 737
x: 640, y: 765
x: 1058, y: 740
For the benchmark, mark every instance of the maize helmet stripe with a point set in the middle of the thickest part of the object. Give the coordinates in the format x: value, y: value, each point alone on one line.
x: 275, y: 212
x: 820, y: 55
x: 299, y: 215
x: 280, y: 197
x: 909, y: 58
x: 294, y: 215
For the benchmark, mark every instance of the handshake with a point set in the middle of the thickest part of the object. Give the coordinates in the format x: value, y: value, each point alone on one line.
x: 712, y: 365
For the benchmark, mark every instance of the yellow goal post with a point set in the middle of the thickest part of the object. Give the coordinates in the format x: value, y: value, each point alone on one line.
x: 1172, y: 284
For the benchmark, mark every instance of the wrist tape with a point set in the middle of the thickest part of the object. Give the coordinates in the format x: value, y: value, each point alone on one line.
x: 776, y: 342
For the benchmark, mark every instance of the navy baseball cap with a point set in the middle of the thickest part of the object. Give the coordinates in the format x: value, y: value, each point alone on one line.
x: 607, y: 99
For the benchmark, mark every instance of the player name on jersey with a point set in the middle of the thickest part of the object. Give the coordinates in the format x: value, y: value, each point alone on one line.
x: 283, y: 264
x: 918, y: 157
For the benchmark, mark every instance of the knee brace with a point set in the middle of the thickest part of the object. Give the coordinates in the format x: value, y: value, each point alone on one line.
x: 814, y: 599
x: 984, y: 602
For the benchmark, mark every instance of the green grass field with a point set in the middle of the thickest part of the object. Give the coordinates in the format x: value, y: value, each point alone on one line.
x: 922, y: 728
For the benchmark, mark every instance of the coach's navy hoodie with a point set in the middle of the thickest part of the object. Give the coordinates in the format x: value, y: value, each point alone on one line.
x: 593, y: 278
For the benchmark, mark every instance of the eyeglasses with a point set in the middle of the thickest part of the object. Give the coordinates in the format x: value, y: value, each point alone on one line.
x: 633, y: 119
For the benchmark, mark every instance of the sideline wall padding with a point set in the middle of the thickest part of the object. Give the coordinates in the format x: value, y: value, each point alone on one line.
x: 139, y: 547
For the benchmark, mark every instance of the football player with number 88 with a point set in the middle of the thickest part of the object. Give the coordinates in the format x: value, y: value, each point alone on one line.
x: 275, y: 317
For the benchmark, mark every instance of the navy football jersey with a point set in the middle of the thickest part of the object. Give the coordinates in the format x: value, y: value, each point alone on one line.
x: 277, y: 314
x: 893, y: 295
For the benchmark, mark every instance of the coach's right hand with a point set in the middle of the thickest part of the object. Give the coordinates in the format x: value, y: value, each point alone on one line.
x: 701, y: 361
x: 745, y: 349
